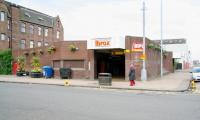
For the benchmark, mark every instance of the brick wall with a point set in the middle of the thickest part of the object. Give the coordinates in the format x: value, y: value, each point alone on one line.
x: 61, y: 54
x: 13, y: 14
x: 152, y: 59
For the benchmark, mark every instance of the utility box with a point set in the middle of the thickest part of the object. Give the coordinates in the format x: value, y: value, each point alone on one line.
x: 105, y: 79
x: 65, y: 73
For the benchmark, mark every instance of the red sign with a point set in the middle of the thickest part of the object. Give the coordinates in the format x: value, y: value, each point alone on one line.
x: 137, y: 47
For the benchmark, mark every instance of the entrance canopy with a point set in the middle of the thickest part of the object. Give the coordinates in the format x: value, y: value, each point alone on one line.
x: 106, y: 43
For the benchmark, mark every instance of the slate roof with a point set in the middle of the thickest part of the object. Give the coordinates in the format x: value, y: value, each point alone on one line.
x: 33, y: 16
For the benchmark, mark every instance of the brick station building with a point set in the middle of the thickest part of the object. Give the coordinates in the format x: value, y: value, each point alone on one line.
x: 31, y: 33
x: 90, y: 58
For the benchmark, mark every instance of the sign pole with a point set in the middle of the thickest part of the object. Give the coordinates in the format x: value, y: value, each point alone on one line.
x: 144, y: 72
x: 161, y: 39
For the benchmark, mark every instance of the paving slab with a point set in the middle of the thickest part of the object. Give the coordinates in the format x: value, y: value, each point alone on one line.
x: 174, y: 82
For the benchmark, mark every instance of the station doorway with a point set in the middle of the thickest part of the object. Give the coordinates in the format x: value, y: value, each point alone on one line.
x: 110, y: 61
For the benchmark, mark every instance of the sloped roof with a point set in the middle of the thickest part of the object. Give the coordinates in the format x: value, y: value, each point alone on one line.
x: 33, y: 16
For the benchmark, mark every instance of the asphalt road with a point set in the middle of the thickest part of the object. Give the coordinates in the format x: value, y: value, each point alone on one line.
x: 45, y: 102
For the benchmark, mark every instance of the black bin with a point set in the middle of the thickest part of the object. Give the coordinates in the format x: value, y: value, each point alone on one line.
x: 65, y: 73
x: 105, y: 79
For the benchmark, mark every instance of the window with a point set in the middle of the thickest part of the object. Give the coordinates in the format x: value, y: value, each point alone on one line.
x: 31, y: 44
x: 46, y: 44
x: 56, y: 64
x: 46, y: 32
x: 39, y: 44
x: 58, y: 35
x: 23, y: 27
x: 22, y: 44
x: 8, y: 24
x: 74, y: 63
x: 31, y: 29
x: 3, y: 36
x: 39, y: 30
x: 8, y: 38
x: 2, y: 16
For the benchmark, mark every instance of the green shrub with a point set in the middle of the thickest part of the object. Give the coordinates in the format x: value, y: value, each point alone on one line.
x: 21, y: 64
x: 35, y: 63
x: 6, y: 62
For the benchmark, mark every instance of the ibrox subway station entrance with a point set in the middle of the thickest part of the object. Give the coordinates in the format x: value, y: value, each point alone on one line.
x: 108, y: 56
x: 110, y: 61
x: 102, y: 55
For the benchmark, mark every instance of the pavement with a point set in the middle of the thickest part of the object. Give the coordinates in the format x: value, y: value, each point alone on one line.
x: 178, y: 81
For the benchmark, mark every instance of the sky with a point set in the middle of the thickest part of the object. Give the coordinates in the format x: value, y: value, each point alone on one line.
x: 86, y: 19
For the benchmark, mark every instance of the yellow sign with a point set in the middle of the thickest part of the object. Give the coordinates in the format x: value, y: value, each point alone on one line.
x: 118, y: 53
x: 143, y: 57
x: 128, y: 51
x: 66, y: 83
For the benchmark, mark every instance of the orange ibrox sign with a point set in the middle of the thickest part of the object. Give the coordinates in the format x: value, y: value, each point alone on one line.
x: 102, y: 43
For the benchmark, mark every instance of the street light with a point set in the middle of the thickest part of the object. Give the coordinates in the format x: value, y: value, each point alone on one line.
x: 161, y: 39
x: 143, y: 71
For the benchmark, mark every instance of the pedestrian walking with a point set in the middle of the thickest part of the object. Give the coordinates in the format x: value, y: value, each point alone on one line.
x: 132, y: 75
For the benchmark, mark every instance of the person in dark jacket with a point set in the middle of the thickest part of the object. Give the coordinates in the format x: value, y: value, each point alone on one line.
x: 132, y: 75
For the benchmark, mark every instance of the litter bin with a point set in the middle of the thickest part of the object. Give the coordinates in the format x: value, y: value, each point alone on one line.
x: 65, y: 73
x: 47, y: 71
x: 105, y: 79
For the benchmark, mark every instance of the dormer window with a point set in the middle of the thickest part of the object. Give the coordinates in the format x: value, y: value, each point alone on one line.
x: 41, y: 19
x: 27, y: 14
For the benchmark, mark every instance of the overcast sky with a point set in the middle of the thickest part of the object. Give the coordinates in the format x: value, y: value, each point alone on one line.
x: 86, y: 19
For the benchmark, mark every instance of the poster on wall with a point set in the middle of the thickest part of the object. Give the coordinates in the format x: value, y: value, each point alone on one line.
x: 137, y: 47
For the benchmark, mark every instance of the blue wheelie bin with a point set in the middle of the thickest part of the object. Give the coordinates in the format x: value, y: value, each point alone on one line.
x: 47, y: 71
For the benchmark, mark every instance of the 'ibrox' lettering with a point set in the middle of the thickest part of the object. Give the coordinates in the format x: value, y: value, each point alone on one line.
x: 102, y: 43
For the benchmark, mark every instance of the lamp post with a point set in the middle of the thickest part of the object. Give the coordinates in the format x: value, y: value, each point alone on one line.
x: 143, y: 71
x: 161, y: 39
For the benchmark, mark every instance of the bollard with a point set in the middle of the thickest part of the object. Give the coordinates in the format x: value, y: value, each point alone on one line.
x: 66, y: 83
x: 193, y: 85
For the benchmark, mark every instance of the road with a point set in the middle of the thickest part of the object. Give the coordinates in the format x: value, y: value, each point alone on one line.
x: 45, y: 102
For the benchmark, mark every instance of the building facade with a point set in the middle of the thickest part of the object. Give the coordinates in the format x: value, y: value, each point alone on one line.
x: 31, y: 33
x: 26, y: 28
x: 181, y: 53
x: 104, y: 56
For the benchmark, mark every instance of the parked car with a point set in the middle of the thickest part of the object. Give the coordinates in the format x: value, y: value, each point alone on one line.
x: 195, y: 74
